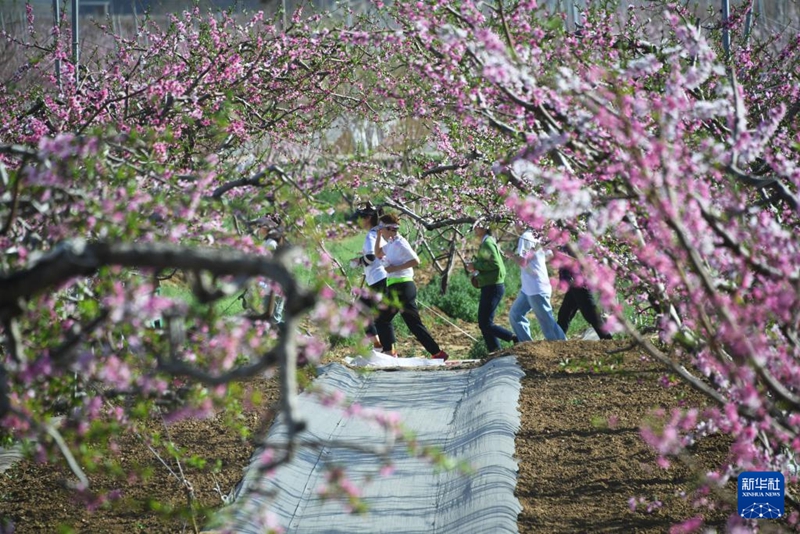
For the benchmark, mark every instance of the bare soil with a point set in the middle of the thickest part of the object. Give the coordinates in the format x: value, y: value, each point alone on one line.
x: 581, y: 458
x: 581, y: 455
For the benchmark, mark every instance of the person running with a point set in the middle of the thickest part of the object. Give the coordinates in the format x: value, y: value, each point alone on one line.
x: 578, y: 298
x: 535, y: 291
x: 490, y: 277
x: 399, y: 260
x: 271, y: 231
x: 374, y: 271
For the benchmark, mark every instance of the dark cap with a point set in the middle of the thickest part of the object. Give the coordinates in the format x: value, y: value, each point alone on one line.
x: 366, y: 209
x: 267, y: 221
x: 273, y: 225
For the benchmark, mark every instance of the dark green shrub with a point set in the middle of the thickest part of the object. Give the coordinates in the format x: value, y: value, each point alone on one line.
x: 460, y: 301
x: 478, y: 350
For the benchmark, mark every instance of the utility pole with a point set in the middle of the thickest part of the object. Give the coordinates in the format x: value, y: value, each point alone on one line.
x: 570, y: 9
x: 748, y: 23
x: 726, y: 36
x: 75, y: 40
x: 56, y: 22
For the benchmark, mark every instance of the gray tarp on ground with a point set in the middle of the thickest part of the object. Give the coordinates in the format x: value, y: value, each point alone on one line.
x: 470, y: 414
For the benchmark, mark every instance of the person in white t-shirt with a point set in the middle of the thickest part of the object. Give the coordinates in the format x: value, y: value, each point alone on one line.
x: 374, y: 271
x: 535, y: 292
x: 399, y: 260
x: 269, y: 229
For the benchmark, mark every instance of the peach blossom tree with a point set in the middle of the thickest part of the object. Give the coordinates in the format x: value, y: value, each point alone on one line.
x: 670, y: 171
x: 667, y: 167
x: 152, y: 165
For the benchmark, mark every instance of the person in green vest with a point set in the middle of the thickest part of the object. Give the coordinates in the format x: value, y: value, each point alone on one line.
x: 490, y: 273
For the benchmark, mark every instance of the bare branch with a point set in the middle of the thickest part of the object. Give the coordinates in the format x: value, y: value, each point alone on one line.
x: 5, y: 405
x: 60, y: 356
x: 430, y: 225
x: 254, y: 181
x: 14, y: 201
x: 506, y: 32
x: 62, y: 446
x: 679, y: 369
x: 18, y: 150
x: 79, y: 258
x: 738, y: 248
x: 783, y: 192
x: 442, y: 169
x: 13, y: 335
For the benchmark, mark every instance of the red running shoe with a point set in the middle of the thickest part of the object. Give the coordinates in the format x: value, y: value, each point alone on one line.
x: 441, y: 355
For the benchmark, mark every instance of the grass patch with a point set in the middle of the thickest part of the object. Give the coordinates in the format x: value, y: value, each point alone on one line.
x: 230, y: 305
x: 343, y: 250
x: 460, y: 301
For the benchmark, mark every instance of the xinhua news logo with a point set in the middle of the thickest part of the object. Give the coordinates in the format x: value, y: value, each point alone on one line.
x: 760, y: 494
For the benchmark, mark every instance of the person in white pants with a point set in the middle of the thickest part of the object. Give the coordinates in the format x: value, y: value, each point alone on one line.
x: 535, y: 292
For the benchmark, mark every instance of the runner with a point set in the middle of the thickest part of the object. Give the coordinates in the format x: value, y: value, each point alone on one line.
x: 399, y: 260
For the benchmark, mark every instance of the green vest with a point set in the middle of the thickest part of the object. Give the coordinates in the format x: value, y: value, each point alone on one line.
x: 489, y: 263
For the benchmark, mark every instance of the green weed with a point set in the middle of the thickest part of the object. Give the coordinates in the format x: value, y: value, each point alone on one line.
x: 609, y: 364
x: 478, y: 350
x: 230, y: 305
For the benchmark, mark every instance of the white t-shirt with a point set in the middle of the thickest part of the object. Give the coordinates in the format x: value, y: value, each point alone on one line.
x: 534, y: 277
x: 374, y: 272
x: 398, y: 251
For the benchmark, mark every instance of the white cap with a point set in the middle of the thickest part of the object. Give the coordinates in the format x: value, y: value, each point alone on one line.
x: 481, y: 222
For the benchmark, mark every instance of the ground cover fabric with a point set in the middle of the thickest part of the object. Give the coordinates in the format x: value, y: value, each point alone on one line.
x: 471, y: 414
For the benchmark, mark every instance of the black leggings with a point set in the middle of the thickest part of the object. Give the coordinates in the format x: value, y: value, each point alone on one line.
x: 406, y: 294
x: 580, y: 298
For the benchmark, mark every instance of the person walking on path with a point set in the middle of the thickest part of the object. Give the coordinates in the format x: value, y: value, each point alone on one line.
x: 270, y: 229
x: 578, y: 298
x: 535, y: 291
x: 374, y: 272
x: 491, y: 274
x: 399, y: 260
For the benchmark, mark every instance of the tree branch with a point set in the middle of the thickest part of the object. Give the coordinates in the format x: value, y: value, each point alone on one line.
x: 428, y: 224
x: 773, y: 182
x: 738, y: 248
x: 62, y: 446
x: 79, y: 258
x: 254, y: 181
x: 60, y: 355
x: 14, y: 200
